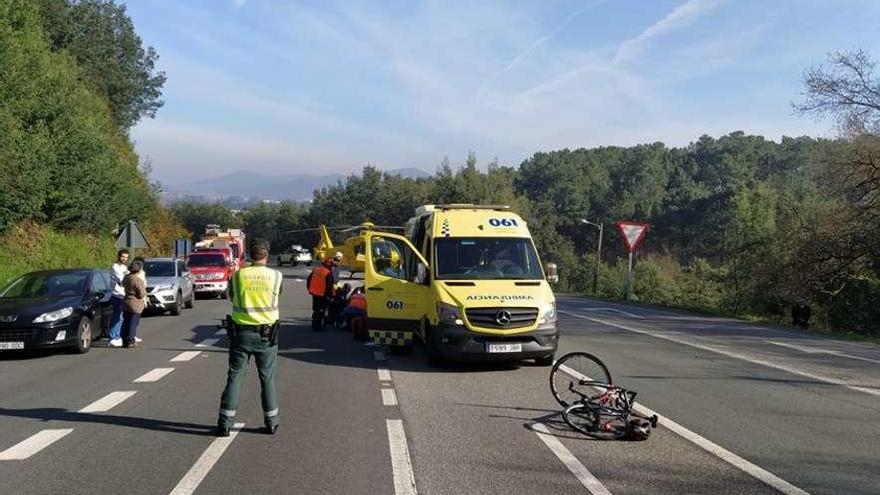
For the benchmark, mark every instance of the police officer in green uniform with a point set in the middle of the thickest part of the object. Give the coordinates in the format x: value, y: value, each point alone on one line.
x: 253, y: 331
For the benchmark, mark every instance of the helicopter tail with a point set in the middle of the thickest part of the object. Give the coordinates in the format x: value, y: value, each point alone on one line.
x: 325, y: 244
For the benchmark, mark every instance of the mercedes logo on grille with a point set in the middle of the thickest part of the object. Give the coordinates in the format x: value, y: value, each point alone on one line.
x: 503, y: 317
x: 8, y: 318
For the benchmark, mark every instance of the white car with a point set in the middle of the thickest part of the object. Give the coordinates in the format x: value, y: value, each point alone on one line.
x: 294, y: 256
x: 169, y: 285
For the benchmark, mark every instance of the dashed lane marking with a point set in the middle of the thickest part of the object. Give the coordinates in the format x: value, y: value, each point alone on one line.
x: 154, y: 375
x: 580, y: 472
x: 33, y: 444
x: 731, y: 354
x: 389, y: 397
x: 401, y: 464
x: 747, y: 467
x: 197, y: 473
x: 107, y: 402
x: 208, y: 343
x: 384, y: 374
x: 185, y: 356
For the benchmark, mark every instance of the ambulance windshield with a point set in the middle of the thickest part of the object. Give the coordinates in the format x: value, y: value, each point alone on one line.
x: 488, y: 258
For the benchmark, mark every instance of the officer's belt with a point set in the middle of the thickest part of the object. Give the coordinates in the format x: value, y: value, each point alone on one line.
x: 253, y: 328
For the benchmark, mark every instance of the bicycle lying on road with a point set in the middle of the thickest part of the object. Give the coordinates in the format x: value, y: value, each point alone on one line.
x: 581, y: 383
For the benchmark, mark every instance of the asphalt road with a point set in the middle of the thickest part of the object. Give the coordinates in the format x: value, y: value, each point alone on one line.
x: 745, y: 409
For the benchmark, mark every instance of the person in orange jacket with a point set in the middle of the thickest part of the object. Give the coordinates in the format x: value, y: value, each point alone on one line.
x: 357, y: 306
x: 320, y: 285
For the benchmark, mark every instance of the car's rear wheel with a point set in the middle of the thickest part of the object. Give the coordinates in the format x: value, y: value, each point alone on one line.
x: 83, y: 336
x: 191, y: 301
x: 175, y: 308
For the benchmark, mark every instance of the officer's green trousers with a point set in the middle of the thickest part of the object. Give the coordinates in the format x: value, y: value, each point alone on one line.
x: 241, y: 348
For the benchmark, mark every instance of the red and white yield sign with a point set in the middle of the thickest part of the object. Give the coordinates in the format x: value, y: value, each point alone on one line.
x: 633, y: 233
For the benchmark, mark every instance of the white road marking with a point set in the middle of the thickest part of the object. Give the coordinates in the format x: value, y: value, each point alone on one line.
x: 401, y: 464
x: 725, y: 455
x: 580, y: 472
x: 107, y: 402
x: 626, y: 313
x: 731, y: 354
x: 33, y: 444
x: 813, y: 350
x: 208, y: 343
x: 197, y: 473
x: 185, y: 356
x: 389, y: 397
x: 154, y: 376
x: 384, y: 374
x: 379, y: 355
x: 220, y: 333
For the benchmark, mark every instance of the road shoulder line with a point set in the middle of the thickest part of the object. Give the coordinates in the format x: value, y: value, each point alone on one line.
x: 730, y: 354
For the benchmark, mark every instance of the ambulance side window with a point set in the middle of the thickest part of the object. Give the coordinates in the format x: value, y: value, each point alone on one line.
x: 393, y: 258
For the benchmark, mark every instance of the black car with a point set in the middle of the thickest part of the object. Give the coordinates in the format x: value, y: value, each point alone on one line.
x: 57, y: 308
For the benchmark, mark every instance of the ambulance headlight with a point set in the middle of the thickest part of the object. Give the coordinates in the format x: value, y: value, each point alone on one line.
x: 548, y: 314
x: 449, y: 314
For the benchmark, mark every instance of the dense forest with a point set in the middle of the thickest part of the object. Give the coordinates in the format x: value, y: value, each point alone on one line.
x: 75, y: 79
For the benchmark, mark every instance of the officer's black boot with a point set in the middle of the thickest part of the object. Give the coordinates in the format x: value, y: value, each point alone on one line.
x: 270, y: 430
x: 221, y: 431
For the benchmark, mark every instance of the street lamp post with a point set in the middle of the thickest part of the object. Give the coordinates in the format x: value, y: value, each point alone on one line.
x: 601, y: 228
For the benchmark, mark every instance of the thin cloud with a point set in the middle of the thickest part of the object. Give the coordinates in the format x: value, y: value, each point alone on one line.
x: 535, y: 44
x: 239, y: 3
x: 682, y: 16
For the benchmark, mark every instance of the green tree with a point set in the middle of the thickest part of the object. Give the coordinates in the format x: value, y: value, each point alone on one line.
x: 195, y: 216
x: 100, y: 35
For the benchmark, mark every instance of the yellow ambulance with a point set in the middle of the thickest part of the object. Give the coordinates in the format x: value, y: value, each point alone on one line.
x: 467, y: 281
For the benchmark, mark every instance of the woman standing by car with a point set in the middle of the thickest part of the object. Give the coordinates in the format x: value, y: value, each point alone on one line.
x: 134, y: 302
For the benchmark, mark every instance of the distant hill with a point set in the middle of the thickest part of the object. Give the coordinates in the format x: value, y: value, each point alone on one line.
x: 256, y: 187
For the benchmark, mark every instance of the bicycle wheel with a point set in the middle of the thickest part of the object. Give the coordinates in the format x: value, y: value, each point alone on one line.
x: 595, y: 422
x: 574, y: 376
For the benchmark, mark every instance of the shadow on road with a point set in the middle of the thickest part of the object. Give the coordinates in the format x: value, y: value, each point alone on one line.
x: 58, y: 414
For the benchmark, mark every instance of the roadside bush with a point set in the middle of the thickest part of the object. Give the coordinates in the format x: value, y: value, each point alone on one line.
x: 30, y: 246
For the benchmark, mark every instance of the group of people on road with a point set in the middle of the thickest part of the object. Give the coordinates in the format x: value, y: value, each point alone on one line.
x: 129, y: 299
x: 333, y: 304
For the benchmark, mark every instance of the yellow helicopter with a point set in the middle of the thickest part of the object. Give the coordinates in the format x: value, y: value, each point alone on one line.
x: 352, y: 248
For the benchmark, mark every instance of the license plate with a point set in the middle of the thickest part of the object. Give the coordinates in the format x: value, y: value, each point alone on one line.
x: 8, y: 346
x: 503, y: 348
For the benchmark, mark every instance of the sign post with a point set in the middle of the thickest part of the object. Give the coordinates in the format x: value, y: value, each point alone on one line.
x: 132, y: 237
x: 633, y: 234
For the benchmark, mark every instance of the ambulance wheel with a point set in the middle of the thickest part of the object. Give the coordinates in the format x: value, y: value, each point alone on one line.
x: 546, y: 360
x: 432, y: 350
x: 223, y: 295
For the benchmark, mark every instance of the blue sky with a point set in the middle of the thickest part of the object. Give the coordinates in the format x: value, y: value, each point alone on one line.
x: 283, y: 87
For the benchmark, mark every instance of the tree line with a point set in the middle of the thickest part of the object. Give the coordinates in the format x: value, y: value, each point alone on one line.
x: 75, y: 78
x: 740, y: 224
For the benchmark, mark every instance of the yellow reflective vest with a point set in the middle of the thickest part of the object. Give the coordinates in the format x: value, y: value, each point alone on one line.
x: 255, y: 292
